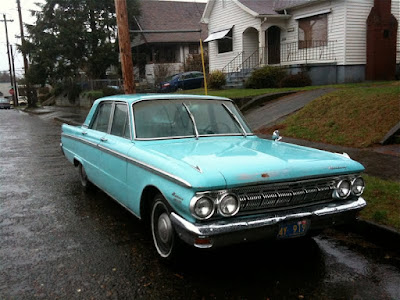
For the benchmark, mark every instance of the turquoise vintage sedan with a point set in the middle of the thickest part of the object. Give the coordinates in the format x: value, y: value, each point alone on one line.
x: 191, y: 168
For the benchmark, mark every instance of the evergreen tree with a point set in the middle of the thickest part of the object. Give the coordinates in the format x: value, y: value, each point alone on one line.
x: 73, y: 37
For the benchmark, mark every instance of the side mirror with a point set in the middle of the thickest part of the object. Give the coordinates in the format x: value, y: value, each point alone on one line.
x: 276, y: 136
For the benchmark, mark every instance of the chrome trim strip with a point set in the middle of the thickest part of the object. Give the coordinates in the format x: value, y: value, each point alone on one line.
x: 193, y: 120
x: 235, y: 118
x: 79, y: 139
x: 167, y: 175
x: 223, y: 226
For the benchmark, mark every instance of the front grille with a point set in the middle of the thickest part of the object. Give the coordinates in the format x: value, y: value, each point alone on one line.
x: 283, y: 195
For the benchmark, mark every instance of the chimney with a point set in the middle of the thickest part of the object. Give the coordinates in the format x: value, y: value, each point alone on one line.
x: 383, y: 7
x: 381, y: 42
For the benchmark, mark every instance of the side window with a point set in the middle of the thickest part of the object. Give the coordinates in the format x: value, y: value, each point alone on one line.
x: 102, y: 118
x: 226, y: 43
x: 120, y: 125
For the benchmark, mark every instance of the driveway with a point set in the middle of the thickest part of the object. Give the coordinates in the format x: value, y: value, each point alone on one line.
x: 272, y: 111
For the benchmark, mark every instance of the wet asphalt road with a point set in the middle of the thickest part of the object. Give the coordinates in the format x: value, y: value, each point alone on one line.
x: 57, y: 242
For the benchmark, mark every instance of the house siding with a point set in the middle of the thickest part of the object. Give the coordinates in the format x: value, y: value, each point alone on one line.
x: 396, y: 13
x: 347, y: 29
x: 356, y: 33
x: 224, y: 15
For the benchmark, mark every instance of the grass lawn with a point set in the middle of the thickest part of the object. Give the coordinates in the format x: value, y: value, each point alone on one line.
x: 246, y: 93
x: 383, y: 202
x: 355, y: 116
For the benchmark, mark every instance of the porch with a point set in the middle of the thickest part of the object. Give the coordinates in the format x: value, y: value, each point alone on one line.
x: 284, y: 54
x: 292, y: 55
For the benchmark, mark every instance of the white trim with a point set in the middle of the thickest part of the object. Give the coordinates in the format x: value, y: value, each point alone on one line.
x: 321, y: 12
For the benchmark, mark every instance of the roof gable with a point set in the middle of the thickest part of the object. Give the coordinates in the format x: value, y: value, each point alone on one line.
x: 259, y: 7
x: 171, y: 15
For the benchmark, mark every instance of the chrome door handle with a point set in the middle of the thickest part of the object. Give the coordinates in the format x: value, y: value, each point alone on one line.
x: 103, y: 139
x: 84, y: 133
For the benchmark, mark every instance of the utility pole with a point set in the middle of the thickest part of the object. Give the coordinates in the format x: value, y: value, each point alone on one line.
x: 125, y: 46
x: 31, y: 96
x: 14, y: 77
x: 9, y: 58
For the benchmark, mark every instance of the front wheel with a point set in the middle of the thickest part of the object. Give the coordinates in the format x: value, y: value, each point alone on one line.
x: 163, y: 233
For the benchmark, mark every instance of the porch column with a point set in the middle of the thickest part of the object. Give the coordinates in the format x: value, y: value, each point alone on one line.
x: 261, y: 42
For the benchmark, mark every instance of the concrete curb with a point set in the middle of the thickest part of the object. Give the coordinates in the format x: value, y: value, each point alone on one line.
x: 376, y: 233
x: 33, y: 112
x: 262, y: 99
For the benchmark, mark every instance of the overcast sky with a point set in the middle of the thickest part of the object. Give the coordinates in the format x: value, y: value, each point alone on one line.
x: 9, y: 7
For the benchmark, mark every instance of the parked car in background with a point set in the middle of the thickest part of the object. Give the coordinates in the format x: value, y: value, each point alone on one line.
x: 182, y: 81
x: 22, y: 100
x: 4, y: 103
x: 191, y: 168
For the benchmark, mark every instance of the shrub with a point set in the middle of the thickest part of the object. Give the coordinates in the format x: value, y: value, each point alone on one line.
x: 296, y: 80
x: 194, y: 63
x: 266, y: 77
x: 216, y: 80
x: 94, y: 95
x: 161, y: 72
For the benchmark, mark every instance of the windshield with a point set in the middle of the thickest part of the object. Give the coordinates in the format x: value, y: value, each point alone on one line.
x: 173, y: 118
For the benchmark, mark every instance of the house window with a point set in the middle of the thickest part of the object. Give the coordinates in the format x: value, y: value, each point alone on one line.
x: 313, y: 31
x: 165, y: 54
x: 193, y: 49
x: 225, y: 44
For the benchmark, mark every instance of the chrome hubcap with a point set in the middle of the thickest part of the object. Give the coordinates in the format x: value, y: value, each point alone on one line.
x: 164, y: 228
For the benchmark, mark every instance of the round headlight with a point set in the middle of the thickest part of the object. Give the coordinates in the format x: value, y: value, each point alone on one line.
x: 357, y: 186
x: 343, y: 189
x: 228, y: 205
x: 203, y: 208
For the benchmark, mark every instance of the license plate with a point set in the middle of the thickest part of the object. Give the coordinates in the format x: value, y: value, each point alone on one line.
x: 293, y: 229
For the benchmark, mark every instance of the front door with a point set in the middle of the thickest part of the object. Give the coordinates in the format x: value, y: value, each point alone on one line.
x: 274, y: 45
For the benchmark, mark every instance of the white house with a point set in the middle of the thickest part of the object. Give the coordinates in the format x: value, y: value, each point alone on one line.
x: 326, y: 38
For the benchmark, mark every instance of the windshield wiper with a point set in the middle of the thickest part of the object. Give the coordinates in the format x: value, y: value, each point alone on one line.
x: 193, y: 120
x: 234, y: 117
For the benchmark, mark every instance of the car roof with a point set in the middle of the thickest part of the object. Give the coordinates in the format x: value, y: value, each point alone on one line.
x: 132, y: 98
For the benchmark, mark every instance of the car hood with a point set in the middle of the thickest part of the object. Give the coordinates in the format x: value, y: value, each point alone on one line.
x: 250, y: 160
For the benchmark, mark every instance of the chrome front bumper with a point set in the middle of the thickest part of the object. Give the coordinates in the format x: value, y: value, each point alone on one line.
x: 263, y: 226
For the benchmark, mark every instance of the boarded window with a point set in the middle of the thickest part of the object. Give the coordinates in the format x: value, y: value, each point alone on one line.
x: 313, y: 31
x: 226, y: 43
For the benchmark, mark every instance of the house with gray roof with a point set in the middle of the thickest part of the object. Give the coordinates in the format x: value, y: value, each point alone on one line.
x: 165, y: 34
x: 335, y: 41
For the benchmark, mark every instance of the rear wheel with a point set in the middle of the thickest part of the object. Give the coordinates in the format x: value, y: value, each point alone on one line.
x: 86, y: 184
x: 164, y: 236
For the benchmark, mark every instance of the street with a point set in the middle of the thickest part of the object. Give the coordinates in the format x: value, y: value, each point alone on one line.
x: 58, y: 242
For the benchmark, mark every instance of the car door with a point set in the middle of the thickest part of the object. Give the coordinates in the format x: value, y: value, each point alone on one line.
x: 90, y: 153
x: 114, y: 147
